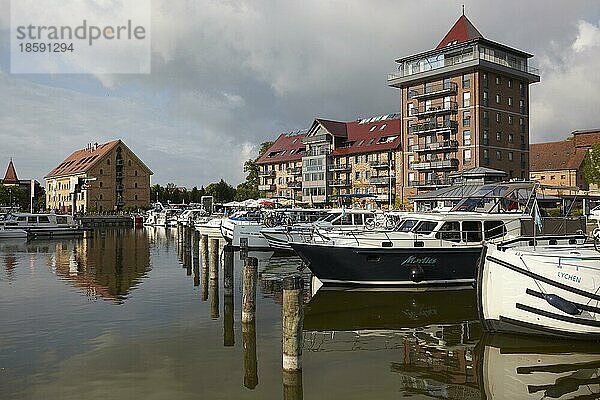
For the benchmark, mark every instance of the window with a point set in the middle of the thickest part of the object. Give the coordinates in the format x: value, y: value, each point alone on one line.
x: 32, y: 220
x: 552, y: 177
x: 498, y: 155
x: 135, y: 197
x: 499, y: 118
x: 493, y: 229
x: 486, y: 139
x: 61, y: 220
x: 486, y: 154
x: 467, y: 138
x: 466, y: 99
x: 510, y: 119
x: 129, y: 163
x: 410, y: 109
x: 498, y: 99
x: 357, y: 176
x: 136, y: 185
x: 108, y: 161
x: 382, y: 127
x: 100, y: 197
x: 466, y: 81
x: 563, y: 177
x: 486, y: 119
x: 522, y: 89
x: 498, y: 80
x: 485, y: 99
x: 373, y: 128
x: 522, y: 106
x: 510, y: 156
x: 485, y: 79
x: 466, y: 118
x: 43, y: 220
x: 135, y: 172
x: 367, y: 174
x: 499, y: 136
x: 471, y: 231
x: 509, y: 83
x: 511, y: 138
x: 100, y: 183
x: 425, y: 227
x: 449, y: 231
x: 510, y: 101
x: 467, y: 156
x: 361, y: 142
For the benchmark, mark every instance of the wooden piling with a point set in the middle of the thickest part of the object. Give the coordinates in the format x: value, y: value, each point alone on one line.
x: 196, y: 257
x: 228, y: 301
x: 249, y: 289
x: 293, y: 319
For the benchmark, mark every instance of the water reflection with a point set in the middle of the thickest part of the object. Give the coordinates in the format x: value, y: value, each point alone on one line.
x: 516, y: 367
x: 108, y: 265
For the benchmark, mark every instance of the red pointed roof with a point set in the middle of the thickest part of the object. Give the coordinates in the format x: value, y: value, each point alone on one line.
x: 11, y: 175
x: 462, y: 31
x: 287, y: 147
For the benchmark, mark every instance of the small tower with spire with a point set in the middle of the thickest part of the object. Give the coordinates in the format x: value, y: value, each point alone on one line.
x: 10, y: 177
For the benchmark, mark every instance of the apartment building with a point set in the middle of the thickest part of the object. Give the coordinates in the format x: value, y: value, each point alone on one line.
x: 100, y: 177
x: 280, y: 172
x: 335, y: 160
x: 463, y: 104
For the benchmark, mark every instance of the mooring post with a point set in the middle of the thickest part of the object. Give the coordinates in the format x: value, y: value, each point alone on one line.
x: 249, y: 289
x: 293, y: 319
x: 228, y: 307
x: 213, y: 276
x: 196, y: 258
x: 204, y: 260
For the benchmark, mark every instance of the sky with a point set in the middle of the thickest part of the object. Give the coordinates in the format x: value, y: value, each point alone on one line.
x: 228, y: 75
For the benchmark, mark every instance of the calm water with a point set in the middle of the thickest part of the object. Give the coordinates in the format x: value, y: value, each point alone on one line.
x: 132, y: 314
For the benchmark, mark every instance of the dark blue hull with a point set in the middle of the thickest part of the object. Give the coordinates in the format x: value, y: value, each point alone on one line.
x: 347, y: 266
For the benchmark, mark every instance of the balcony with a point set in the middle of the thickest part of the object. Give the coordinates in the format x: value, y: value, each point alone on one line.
x: 430, y: 183
x: 435, y: 90
x: 294, y: 185
x: 438, y: 146
x: 424, y: 111
x: 381, y: 180
x: 267, y: 188
x: 442, y: 164
x: 431, y: 127
x: 316, y: 139
x: 340, y: 167
x: 266, y: 174
x: 295, y: 171
x: 319, y: 152
x: 381, y: 164
x: 339, y: 183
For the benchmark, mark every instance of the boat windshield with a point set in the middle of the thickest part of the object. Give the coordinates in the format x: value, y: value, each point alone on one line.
x: 407, y: 225
x: 425, y: 227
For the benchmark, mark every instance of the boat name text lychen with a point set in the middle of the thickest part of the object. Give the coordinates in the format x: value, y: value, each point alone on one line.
x: 412, y: 260
x: 570, y: 277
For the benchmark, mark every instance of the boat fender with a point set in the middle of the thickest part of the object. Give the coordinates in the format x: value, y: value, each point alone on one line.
x: 416, y: 274
x: 562, y: 304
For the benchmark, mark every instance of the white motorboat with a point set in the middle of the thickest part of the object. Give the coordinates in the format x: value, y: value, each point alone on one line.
x: 12, y: 233
x: 436, y: 249
x: 37, y: 225
x: 543, y: 289
x: 210, y: 226
x: 242, y: 229
x: 189, y: 216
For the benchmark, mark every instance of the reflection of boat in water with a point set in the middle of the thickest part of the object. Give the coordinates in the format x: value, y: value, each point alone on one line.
x: 525, y: 368
x: 372, y: 309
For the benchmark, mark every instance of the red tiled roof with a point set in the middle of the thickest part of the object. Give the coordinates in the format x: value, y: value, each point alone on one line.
x: 336, y: 128
x: 462, y: 31
x: 370, y: 137
x: 11, y: 174
x: 287, y: 147
x: 555, y: 156
x: 586, y: 138
x: 82, y: 160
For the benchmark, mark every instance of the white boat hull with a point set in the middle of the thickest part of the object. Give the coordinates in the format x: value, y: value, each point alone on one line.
x: 13, y: 234
x: 243, y: 234
x: 535, y: 292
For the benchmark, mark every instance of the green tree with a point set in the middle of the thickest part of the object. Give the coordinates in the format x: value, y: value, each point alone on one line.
x: 221, y: 191
x: 591, y: 165
x: 249, y: 188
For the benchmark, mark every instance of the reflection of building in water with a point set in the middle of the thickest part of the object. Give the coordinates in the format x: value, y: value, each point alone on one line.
x: 439, y: 362
x: 108, y: 265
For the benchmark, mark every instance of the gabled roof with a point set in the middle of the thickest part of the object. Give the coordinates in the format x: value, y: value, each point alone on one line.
x: 336, y: 128
x: 555, y: 156
x: 82, y: 160
x: 462, y: 31
x: 11, y: 174
x: 287, y: 147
